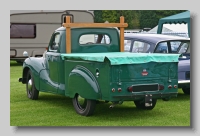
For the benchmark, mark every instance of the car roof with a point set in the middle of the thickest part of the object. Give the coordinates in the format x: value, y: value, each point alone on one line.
x: 153, y: 38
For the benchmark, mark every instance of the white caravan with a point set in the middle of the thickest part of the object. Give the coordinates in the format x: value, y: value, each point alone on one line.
x: 31, y: 30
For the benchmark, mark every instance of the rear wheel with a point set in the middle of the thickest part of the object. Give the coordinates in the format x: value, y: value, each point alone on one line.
x: 141, y: 104
x: 166, y: 99
x: 186, y: 90
x: 83, y: 106
x: 32, y: 92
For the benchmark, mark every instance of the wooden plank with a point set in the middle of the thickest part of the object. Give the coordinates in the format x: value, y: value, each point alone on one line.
x: 68, y: 26
x: 68, y: 36
x: 121, y: 35
x: 95, y: 24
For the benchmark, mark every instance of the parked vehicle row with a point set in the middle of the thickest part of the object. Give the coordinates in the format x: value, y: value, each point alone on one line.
x: 159, y: 43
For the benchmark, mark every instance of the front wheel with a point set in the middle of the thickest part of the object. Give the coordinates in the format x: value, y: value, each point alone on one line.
x: 141, y: 105
x: 32, y: 92
x: 83, y: 106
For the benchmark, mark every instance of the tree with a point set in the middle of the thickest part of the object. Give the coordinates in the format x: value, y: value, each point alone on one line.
x: 136, y: 19
x: 150, y: 18
x: 110, y: 16
x: 98, y: 16
x: 114, y: 16
x: 128, y: 17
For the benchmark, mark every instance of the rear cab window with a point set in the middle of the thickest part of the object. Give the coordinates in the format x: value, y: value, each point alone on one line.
x: 90, y: 39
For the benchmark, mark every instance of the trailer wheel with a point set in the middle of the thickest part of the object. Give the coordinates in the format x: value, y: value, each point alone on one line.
x: 186, y: 90
x: 83, y: 106
x: 32, y: 92
x: 141, y: 105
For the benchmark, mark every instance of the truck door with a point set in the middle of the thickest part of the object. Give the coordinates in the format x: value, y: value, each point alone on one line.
x: 52, y: 58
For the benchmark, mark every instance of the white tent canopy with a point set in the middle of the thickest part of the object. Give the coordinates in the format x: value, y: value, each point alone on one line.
x: 180, y: 28
x: 172, y: 29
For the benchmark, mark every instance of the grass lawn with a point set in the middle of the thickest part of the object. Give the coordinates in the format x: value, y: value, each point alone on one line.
x: 56, y: 110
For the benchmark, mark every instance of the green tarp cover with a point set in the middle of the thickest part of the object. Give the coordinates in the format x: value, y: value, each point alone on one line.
x: 117, y: 58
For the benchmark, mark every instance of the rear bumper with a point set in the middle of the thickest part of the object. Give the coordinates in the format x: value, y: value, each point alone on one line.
x: 20, y: 79
x: 184, y: 84
x: 142, y: 96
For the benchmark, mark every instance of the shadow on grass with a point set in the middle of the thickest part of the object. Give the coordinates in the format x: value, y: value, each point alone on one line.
x: 14, y: 63
x: 181, y: 97
x: 55, y: 100
x: 102, y: 110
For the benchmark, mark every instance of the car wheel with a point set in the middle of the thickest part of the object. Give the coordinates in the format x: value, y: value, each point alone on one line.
x: 186, y: 90
x: 83, y: 106
x: 32, y: 92
x: 141, y: 105
x: 166, y: 99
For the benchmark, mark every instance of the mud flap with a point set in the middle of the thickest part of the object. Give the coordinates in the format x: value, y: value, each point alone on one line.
x: 148, y: 100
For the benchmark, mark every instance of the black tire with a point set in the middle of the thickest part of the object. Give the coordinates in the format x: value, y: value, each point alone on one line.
x: 141, y: 105
x: 186, y: 91
x: 166, y: 99
x: 83, y: 106
x: 32, y: 92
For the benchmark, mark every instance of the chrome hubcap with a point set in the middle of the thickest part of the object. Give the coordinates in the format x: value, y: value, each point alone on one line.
x: 29, y: 84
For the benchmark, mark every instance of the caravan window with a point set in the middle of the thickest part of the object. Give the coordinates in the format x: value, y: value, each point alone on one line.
x: 22, y: 31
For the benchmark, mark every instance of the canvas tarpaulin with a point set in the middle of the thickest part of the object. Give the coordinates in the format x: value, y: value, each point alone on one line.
x: 118, y: 58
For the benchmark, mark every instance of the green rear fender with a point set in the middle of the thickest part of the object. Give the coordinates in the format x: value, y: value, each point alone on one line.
x: 83, y: 82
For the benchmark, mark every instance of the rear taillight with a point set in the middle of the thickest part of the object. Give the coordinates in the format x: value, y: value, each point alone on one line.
x: 169, y: 86
x: 113, y: 90
x: 119, y: 89
x: 130, y: 89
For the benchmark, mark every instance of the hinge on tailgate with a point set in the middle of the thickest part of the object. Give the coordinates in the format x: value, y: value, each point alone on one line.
x: 119, y: 81
x: 169, y: 80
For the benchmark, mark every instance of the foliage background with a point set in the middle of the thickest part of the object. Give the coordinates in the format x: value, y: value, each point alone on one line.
x: 136, y: 19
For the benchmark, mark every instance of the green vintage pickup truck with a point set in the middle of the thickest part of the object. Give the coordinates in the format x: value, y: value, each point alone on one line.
x: 79, y: 66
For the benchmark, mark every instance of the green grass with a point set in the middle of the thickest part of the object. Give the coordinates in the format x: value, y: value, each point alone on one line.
x: 56, y: 110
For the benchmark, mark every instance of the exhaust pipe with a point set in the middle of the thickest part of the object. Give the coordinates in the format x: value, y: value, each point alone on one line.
x: 114, y: 103
x: 112, y: 106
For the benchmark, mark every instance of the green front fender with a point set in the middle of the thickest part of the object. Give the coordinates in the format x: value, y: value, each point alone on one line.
x: 83, y: 82
x: 35, y: 65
